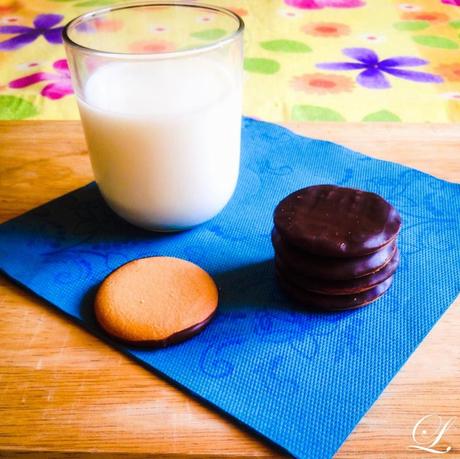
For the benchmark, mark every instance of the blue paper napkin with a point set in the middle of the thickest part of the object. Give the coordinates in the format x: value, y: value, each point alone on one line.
x: 301, y: 380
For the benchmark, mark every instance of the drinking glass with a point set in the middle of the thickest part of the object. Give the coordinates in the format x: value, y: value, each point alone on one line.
x: 158, y: 87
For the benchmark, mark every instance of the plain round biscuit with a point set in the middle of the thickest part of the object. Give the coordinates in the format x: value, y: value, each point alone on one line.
x: 156, y: 301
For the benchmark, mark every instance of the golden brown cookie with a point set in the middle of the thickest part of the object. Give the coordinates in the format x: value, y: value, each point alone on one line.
x: 156, y: 301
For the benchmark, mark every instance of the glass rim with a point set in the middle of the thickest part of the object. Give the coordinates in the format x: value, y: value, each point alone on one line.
x: 157, y: 55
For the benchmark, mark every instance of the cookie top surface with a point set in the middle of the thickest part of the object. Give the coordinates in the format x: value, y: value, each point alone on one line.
x: 332, y: 221
x: 156, y: 301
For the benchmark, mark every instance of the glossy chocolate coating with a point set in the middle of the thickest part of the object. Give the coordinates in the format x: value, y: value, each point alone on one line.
x: 329, y: 268
x: 175, y: 338
x: 322, y: 302
x: 332, y: 221
x: 339, y: 287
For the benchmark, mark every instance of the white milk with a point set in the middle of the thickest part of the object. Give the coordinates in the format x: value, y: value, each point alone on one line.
x: 164, y: 139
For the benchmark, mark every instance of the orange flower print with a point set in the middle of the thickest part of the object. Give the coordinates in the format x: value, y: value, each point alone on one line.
x: 11, y: 8
x: 101, y: 25
x: 326, y: 29
x: 108, y: 25
x: 321, y: 83
x: 151, y: 46
x: 451, y: 72
x: 425, y: 16
x: 239, y: 11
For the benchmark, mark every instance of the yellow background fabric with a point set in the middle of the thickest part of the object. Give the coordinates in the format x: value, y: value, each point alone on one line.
x: 286, y: 43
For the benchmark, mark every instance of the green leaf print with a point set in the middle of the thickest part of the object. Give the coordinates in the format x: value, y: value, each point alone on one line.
x: 411, y: 25
x: 315, y: 113
x: 435, y: 42
x: 261, y: 65
x: 16, y: 108
x: 210, y: 34
x: 382, y: 115
x: 285, y: 46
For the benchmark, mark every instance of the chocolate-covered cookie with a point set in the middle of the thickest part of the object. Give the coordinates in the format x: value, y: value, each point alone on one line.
x: 322, y: 302
x: 156, y: 301
x: 332, y: 221
x: 331, y: 268
x: 338, y: 287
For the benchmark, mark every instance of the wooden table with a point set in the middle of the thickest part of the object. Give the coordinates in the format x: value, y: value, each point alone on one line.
x: 64, y: 394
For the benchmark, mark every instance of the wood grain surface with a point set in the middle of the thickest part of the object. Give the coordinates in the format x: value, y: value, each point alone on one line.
x: 65, y: 394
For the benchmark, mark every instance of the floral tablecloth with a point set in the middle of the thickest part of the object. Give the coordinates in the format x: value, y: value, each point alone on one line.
x: 306, y: 60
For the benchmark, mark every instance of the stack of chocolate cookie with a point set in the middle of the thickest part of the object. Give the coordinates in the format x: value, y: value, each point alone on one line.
x: 335, y: 248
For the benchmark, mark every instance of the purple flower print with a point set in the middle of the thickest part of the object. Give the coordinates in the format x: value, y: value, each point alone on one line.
x: 373, y: 69
x: 59, y: 87
x: 43, y: 25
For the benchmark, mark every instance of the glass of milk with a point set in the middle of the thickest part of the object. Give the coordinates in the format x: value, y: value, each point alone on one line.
x: 158, y: 86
